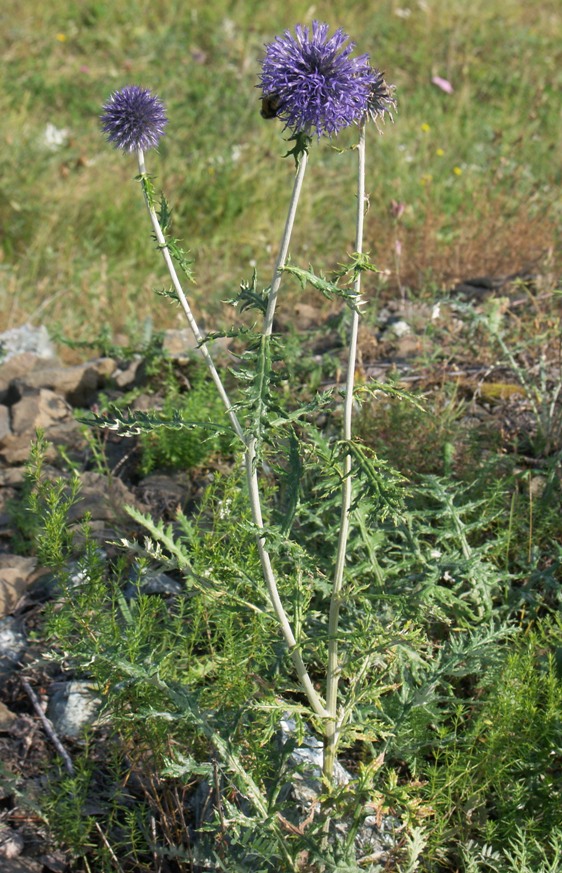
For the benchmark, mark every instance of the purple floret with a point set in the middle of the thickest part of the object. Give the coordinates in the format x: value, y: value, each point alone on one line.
x: 133, y: 119
x: 318, y: 88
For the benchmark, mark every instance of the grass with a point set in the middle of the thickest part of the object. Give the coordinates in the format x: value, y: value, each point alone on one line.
x: 478, y: 170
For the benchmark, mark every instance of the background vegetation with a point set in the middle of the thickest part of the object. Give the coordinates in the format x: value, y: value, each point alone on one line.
x: 478, y: 170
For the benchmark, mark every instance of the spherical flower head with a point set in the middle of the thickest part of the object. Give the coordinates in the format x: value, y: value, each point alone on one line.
x: 134, y: 119
x: 317, y: 87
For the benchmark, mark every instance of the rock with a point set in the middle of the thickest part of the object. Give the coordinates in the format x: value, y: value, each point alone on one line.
x: 45, y: 410
x: 15, y: 368
x: 179, y: 344
x: 12, y: 477
x: 13, y: 644
x: 165, y: 493
x: 5, y: 429
x: 15, y: 573
x: 11, y: 843
x: 73, y: 707
x: 310, y: 756
x: 182, y: 345
x: 153, y: 583
x: 23, y: 865
x: 306, y: 316
x: 7, y: 718
x: 78, y: 384
x: 103, y: 497
x: 24, y: 339
x: 132, y: 374
x: 397, y: 327
x: 38, y: 410
x: 374, y: 838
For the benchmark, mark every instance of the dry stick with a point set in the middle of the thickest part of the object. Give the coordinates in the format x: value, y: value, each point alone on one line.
x: 250, y: 444
x: 107, y: 845
x: 48, y: 727
x: 331, y: 735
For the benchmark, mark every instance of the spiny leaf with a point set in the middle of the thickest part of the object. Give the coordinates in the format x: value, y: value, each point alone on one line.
x: 148, y: 189
x: 301, y: 146
x: 377, y: 481
x: 181, y: 256
x: 164, y: 214
x: 135, y: 423
x: 330, y: 290
x: 249, y: 297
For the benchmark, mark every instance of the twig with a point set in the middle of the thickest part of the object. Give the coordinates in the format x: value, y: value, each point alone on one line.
x: 48, y: 727
x: 108, y: 847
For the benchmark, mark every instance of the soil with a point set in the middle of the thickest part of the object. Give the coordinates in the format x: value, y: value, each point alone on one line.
x: 424, y: 347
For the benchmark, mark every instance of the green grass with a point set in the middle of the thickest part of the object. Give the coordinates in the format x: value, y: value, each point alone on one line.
x: 478, y: 170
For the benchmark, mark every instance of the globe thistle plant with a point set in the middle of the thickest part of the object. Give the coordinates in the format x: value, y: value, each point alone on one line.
x: 134, y: 119
x: 310, y: 81
x: 314, y: 84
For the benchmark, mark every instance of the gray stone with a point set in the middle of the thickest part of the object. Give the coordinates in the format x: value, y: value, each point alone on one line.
x: 153, y: 583
x: 103, y: 498
x: 179, y: 344
x: 22, y: 865
x: 13, y: 644
x: 26, y: 338
x: 17, y: 367
x: 73, y: 707
x: 182, y: 345
x: 375, y: 837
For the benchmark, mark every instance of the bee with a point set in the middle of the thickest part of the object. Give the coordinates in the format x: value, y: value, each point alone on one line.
x: 270, y: 104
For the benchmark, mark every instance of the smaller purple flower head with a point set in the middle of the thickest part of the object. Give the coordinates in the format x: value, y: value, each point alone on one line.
x: 381, y: 100
x: 313, y: 83
x: 134, y: 119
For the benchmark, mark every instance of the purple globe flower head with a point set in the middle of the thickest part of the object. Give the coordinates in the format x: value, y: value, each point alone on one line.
x: 133, y: 119
x: 311, y: 83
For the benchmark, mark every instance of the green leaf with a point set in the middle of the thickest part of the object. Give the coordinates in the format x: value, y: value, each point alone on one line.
x: 328, y: 289
x: 135, y: 423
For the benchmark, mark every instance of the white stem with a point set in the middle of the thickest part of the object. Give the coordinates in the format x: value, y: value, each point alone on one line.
x: 269, y: 576
x: 250, y: 444
x: 284, y: 247
x: 334, y: 669
x: 251, y: 472
x: 187, y: 309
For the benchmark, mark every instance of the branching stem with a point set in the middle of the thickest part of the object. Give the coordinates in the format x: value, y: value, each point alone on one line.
x: 251, y: 471
x: 332, y: 728
x: 249, y: 441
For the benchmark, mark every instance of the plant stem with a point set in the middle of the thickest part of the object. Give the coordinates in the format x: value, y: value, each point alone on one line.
x: 249, y: 442
x: 251, y: 457
x: 284, y: 247
x: 269, y: 576
x: 187, y: 309
x: 331, y: 734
